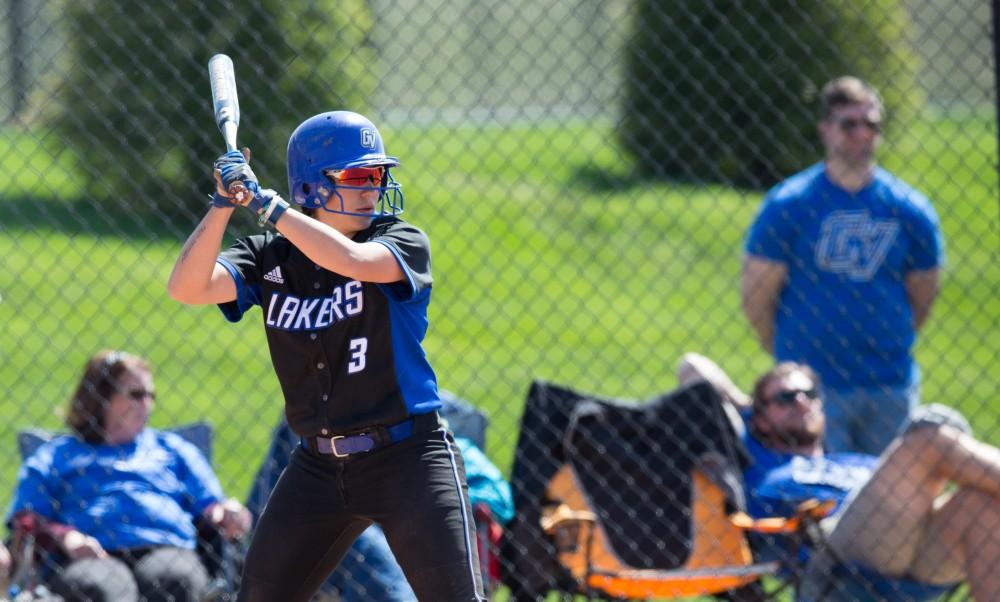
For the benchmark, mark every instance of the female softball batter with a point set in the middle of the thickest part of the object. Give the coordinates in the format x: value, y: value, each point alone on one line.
x: 343, y: 287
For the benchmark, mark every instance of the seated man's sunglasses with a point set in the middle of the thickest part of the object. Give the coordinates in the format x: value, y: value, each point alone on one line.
x: 788, y: 398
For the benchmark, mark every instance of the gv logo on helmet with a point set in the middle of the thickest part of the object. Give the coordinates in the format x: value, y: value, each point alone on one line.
x: 367, y: 137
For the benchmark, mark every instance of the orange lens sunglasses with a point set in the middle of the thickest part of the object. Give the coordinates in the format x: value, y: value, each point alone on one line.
x: 358, y: 176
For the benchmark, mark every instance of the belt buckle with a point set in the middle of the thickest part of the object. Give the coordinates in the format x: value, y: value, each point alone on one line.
x: 333, y: 446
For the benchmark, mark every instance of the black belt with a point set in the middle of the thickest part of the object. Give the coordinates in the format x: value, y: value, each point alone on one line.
x: 371, y: 438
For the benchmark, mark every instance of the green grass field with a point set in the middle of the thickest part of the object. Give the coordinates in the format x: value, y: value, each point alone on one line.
x: 543, y: 270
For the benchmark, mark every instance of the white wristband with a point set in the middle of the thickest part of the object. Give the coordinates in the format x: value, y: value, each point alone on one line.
x: 271, y: 204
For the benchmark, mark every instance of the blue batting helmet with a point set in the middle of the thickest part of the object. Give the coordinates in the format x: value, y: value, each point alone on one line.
x: 328, y: 143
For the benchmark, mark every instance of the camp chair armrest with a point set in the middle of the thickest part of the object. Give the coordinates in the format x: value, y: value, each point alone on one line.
x: 562, y: 515
x: 765, y: 525
x: 815, y: 509
x: 809, y: 511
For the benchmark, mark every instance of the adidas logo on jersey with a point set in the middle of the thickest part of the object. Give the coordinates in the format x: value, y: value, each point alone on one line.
x: 275, y: 275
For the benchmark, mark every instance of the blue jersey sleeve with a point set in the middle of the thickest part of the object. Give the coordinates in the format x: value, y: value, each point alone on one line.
x: 200, y: 482
x: 242, y: 261
x: 772, y: 231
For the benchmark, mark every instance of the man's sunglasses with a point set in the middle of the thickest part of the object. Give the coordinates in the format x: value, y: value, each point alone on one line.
x: 357, y: 176
x: 849, y: 124
x: 788, y: 398
x: 141, y: 394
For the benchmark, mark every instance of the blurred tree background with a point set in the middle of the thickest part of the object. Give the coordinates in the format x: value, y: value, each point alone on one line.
x: 586, y: 172
x: 123, y: 102
x: 728, y: 91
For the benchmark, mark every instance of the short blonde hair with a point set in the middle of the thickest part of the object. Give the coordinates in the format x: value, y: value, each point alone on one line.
x: 847, y: 90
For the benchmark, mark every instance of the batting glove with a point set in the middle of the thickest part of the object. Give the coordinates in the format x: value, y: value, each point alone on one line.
x: 222, y: 201
x: 233, y: 157
x: 233, y: 169
x: 221, y: 198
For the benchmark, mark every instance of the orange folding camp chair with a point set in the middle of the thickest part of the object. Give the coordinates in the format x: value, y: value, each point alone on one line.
x: 632, y: 500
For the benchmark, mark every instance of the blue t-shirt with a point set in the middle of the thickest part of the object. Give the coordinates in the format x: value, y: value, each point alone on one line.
x: 139, y: 494
x: 844, y: 309
x: 777, y: 483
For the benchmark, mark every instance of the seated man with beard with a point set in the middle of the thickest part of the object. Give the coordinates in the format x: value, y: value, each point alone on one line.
x: 899, y: 529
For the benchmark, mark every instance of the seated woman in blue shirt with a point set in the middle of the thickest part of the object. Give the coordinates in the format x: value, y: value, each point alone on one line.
x: 118, y: 500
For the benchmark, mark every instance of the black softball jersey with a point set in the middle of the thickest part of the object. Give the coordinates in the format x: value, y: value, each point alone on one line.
x: 347, y: 353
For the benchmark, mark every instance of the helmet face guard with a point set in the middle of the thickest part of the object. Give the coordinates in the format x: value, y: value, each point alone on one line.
x: 390, y: 195
x: 328, y: 143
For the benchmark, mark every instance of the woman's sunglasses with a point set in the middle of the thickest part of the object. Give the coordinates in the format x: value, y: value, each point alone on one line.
x: 357, y: 176
x: 141, y: 394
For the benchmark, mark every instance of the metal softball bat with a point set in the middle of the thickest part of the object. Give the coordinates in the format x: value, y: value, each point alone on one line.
x: 225, y: 102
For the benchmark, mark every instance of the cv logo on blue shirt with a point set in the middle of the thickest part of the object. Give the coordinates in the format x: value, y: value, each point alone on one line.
x: 854, y: 244
x: 288, y: 312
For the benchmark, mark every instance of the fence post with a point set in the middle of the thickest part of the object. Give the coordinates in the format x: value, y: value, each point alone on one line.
x: 17, y: 31
x: 996, y: 71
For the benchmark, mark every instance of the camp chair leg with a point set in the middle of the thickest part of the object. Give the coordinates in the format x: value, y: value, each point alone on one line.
x: 753, y: 592
x: 592, y: 594
x: 488, y: 535
x: 596, y: 596
x: 588, y: 554
x: 24, y: 576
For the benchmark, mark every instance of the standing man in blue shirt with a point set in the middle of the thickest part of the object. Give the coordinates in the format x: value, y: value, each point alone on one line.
x: 841, y: 270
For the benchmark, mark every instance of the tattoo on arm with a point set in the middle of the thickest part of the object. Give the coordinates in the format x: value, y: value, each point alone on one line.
x: 192, y: 240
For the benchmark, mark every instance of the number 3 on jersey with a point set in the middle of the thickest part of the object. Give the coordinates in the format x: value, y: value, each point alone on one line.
x: 358, y: 349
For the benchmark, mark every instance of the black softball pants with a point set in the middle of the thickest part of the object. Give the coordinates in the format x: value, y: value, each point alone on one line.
x: 415, y: 489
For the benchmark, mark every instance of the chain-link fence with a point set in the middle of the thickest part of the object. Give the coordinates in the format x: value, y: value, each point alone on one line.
x: 588, y: 174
